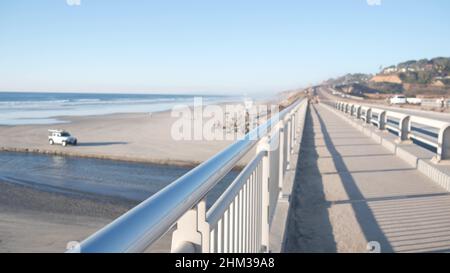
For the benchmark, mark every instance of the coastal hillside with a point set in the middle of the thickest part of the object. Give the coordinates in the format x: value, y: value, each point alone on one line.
x: 426, y: 78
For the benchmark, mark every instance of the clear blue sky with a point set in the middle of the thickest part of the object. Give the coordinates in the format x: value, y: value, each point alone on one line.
x: 221, y: 46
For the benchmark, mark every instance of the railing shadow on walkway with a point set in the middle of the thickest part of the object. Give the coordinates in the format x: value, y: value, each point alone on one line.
x: 363, y: 213
x: 308, y: 205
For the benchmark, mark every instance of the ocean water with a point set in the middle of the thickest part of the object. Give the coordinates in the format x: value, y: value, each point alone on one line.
x: 18, y: 108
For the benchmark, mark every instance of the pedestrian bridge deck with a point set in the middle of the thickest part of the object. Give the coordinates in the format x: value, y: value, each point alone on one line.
x: 349, y: 191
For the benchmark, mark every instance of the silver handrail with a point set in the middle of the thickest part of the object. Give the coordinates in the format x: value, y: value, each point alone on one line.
x: 141, y: 226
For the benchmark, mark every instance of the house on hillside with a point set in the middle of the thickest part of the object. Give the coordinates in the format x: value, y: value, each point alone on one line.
x: 429, y: 67
x: 390, y: 70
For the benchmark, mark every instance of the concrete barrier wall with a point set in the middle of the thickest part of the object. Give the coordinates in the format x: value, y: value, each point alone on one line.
x: 418, y: 157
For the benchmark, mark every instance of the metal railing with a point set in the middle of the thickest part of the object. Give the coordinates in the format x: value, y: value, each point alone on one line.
x: 238, y: 221
x: 433, y: 133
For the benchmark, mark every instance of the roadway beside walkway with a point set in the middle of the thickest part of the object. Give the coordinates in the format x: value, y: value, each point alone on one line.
x: 349, y: 191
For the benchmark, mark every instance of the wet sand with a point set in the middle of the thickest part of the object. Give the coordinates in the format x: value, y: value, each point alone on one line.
x: 37, y: 221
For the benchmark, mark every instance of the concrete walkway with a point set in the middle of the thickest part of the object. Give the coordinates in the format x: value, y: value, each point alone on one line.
x: 350, y: 190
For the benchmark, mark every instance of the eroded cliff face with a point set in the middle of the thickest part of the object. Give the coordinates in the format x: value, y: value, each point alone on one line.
x: 387, y: 78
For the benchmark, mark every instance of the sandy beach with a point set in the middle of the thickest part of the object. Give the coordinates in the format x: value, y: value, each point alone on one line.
x: 131, y: 137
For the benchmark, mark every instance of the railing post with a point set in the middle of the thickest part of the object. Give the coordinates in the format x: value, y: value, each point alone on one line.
x: 368, y: 115
x: 358, y: 112
x: 264, y: 145
x: 382, y: 120
x: 404, y: 128
x: 443, y: 151
x: 192, y: 233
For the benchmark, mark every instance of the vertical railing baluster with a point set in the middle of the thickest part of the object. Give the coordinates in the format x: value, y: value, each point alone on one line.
x: 258, y: 216
x: 293, y: 129
x: 220, y: 236
x: 236, y: 225
x: 261, y: 208
x: 252, y: 242
x: 241, y: 220
x: 288, y: 144
x: 231, y: 228
x: 281, y: 154
x: 264, y: 145
x: 212, y: 242
x: 286, y: 154
x: 245, y: 222
x: 252, y: 215
x: 261, y: 204
x: 226, y: 230
x: 255, y: 211
x: 249, y: 204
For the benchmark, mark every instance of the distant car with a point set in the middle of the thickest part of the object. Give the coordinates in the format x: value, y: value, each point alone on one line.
x: 399, y: 99
x: 61, y: 137
x: 414, y: 101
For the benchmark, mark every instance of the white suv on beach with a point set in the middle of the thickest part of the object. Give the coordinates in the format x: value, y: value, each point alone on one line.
x: 61, y: 137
